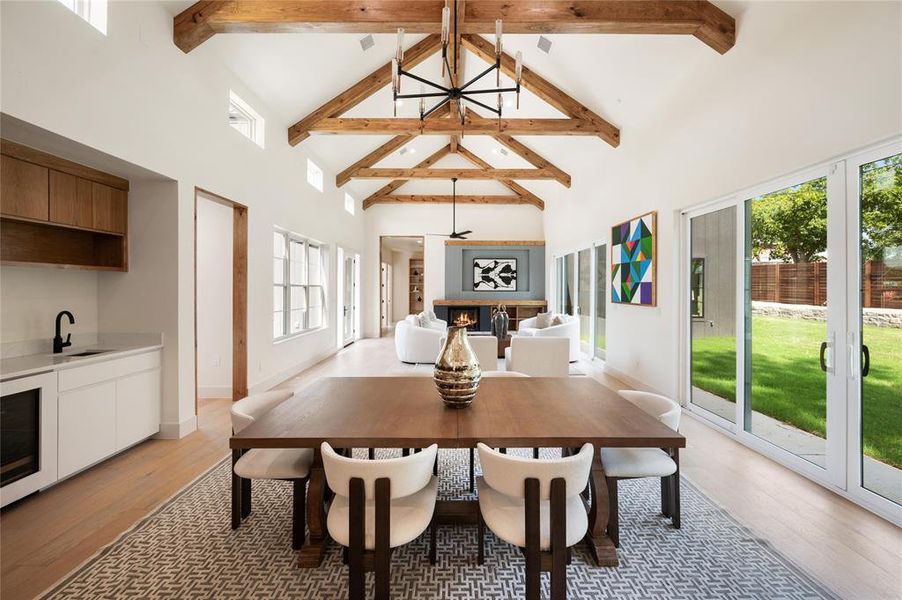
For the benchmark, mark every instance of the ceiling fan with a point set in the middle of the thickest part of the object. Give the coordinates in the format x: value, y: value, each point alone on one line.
x: 455, y: 235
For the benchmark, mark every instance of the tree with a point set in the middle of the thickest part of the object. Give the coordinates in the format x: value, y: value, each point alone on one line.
x: 792, y: 223
x: 881, y: 207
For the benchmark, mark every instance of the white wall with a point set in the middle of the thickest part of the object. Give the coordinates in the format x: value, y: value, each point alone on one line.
x: 31, y: 297
x: 134, y: 95
x: 488, y: 222
x: 400, y: 265
x: 214, y: 298
x: 805, y: 81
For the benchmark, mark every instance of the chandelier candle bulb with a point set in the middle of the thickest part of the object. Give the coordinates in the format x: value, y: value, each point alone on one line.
x: 400, y: 45
x: 498, y: 38
x: 446, y: 25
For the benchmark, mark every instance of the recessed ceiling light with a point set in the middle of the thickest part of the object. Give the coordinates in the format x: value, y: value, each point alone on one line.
x: 408, y: 151
x: 504, y: 151
x: 367, y: 42
x: 544, y: 44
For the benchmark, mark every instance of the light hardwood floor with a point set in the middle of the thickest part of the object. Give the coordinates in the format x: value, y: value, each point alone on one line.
x: 854, y: 553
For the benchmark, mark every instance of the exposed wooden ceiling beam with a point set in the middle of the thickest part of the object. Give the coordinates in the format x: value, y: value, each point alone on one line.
x: 388, y: 126
x: 499, y: 174
x: 363, y: 89
x: 424, y: 164
x: 446, y: 199
x: 705, y: 21
x: 509, y: 183
x: 543, y: 88
x: 372, y: 158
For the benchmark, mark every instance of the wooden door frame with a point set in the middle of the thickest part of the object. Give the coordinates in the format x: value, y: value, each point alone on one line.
x: 239, y: 293
x: 379, y: 270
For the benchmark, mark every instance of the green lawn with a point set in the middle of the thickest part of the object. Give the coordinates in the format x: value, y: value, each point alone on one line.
x: 787, y: 383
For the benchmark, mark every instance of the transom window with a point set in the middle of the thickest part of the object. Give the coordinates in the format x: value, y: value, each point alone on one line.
x: 349, y: 203
x: 245, y: 119
x: 314, y: 175
x: 92, y: 11
x: 299, y: 285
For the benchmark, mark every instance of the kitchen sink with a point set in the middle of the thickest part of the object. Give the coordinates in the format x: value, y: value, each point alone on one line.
x: 89, y: 352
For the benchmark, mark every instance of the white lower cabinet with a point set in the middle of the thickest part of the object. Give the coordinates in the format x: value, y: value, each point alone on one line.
x: 87, y: 426
x: 105, y: 407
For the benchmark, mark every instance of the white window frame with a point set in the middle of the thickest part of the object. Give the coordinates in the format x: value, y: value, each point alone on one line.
x: 257, y: 125
x: 314, y: 175
x: 309, y: 290
x: 92, y: 11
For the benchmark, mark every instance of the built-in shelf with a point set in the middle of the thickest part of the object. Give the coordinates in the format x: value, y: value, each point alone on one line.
x: 416, y: 278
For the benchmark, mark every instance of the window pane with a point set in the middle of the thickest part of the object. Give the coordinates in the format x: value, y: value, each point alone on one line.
x: 881, y: 301
x: 316, y: 295
x: 601, y: 286
x: 713, y: 335
x: 786, y: 318
x: 278, y: 270
x: 298, y: 263
x: 569, y: 280
x: 583, y: 301
x: 278, y: 324
x: 278, y: 297
x: 298, y: 297
x: 315, y: 266
x: 296, y: 321
x: 278, y: 244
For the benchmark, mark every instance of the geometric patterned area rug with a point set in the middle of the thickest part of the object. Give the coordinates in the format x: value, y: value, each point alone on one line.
x: 187, y: 549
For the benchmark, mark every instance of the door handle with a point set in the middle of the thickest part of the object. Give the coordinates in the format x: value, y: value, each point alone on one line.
x: 866, y: 367
x: 823, y: 352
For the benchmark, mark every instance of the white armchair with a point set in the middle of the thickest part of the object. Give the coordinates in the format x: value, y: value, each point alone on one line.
x: 486, y: 349
x: 416, y: 344
x: 538, y: 356
x: 568, y: 329
x: 432, y: 321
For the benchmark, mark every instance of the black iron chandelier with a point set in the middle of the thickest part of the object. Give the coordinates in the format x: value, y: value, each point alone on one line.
x: 455, y: 91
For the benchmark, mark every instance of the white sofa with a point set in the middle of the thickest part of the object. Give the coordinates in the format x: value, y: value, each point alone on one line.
x: 486, y: 349
x: 568, y: 329
x: 538, y: 356
x: 416, y: 343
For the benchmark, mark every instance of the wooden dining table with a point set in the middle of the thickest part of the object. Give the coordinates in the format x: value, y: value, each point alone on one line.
x: 407, y: 412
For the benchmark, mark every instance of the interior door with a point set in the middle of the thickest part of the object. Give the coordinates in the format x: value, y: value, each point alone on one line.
x: 348, y: 295
x: 383, y: 296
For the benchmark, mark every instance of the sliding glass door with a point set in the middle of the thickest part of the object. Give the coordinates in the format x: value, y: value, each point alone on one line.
x: 584, y: 303
x: 601, y: 307
x: 581, y: 292
x: 793, y: 321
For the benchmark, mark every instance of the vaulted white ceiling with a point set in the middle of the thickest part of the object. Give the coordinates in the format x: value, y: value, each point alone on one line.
x: 626, y: 79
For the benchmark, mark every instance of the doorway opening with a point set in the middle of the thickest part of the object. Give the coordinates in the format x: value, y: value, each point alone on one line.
x: 348, y: 297
x: 402, y: 277
x: 220, y: 297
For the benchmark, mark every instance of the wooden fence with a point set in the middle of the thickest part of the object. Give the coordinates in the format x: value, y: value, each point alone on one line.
x: 806, y: 283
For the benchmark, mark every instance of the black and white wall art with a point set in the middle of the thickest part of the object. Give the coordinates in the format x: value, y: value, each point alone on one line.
x: 495, y: 274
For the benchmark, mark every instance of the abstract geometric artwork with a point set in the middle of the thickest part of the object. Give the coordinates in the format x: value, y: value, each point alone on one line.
x: 495, y: 274
x: 633, y: 261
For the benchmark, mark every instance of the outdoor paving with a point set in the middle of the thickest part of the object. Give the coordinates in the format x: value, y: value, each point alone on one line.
x: 880, y: 478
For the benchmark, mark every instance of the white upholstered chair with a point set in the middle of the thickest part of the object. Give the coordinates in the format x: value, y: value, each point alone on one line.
x: 635, y: 463
x: 538, y: 356
x: 415, y: 343
x: 290, y: 464
x: 535, y: 505
x: 379, y: 505
x: 568, y: 329
x: 486, y: 349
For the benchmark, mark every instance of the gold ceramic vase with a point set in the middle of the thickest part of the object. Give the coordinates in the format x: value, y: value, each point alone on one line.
x: 457, y: 369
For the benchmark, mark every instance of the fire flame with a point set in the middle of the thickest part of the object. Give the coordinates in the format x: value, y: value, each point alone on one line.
x: 463, y: 320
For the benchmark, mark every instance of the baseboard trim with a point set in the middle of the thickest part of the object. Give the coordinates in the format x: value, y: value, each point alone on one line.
x: 632, y: 381
x: 285, y: 374
x: 176, y: 431
x: 214, y: 391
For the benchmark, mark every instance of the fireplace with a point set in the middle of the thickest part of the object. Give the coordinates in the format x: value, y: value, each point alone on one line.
x: 464, y: 315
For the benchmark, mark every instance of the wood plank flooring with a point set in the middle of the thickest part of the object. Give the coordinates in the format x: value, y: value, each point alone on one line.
x: 851, y: 551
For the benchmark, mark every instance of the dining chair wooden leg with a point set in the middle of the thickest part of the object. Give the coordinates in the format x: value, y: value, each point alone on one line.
x: 405, y: 451
x: 480, y: 538
x: 356, y: 524
x: 298, y: 513
x: 559, y: 554
x: 614, y: 512
x: 372, y: 453
x: 236, y: 491
x: 433, y: 534
x: 675, y: 500
x: 502, y: 450
x: 472, y: 470
x: 382, y: 559
x: 245, y: 498
x: 535, y: 453
x: 665, y: 496
x: 533, y: 540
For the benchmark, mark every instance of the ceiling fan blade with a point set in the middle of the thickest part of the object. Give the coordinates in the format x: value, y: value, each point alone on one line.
x: 467, y: 232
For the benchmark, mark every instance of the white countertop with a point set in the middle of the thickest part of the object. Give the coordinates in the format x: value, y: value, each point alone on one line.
x: 113, y: 346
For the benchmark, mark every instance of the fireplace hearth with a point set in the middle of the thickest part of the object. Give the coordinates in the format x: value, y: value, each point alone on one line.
x: 464, y: 315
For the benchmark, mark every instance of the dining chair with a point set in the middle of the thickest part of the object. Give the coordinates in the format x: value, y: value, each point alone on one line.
x: 379, y: 505
x: 636, y: 463
x: 289, y: 464
x: 538, y: 356
x: 535, y: 505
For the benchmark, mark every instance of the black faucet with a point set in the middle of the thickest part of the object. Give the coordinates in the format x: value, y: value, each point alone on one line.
x: 58, y: 343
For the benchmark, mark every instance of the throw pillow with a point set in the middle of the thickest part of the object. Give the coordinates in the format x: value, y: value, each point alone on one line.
x: 557, y: 320
x: 543, y: 320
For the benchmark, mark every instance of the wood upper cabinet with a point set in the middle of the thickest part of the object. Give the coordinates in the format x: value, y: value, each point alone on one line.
x: 23, y: 189
x: 110, y: 208
x: 70, y: 200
